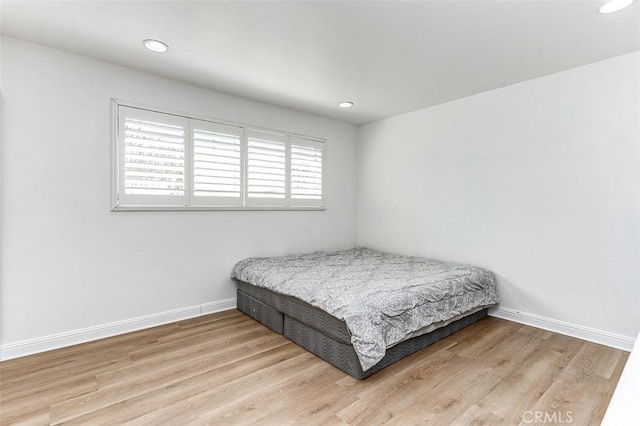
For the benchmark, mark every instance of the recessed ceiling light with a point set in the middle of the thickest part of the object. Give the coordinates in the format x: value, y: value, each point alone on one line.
x: 345, y: 104
x: 614, y: 6
x: 155, y: 45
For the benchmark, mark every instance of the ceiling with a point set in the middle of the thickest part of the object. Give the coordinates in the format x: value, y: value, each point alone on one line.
x: 388, y: 57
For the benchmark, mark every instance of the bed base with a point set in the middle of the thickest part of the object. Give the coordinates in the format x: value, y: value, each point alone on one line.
x: 326, y: 336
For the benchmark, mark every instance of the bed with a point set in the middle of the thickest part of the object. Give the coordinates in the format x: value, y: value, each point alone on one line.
x: 360, y: 309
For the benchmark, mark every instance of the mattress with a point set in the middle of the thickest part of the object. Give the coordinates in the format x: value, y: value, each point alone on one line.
x: 364, y: 298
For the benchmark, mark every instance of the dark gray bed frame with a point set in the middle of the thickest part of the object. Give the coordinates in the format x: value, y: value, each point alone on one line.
x: 326, y: 336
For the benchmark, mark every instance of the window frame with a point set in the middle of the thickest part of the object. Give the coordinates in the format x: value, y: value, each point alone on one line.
x: 117, y: 193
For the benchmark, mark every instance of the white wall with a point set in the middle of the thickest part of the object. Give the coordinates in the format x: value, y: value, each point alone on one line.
x: 68, y: 262
x: 538, y: 182
x: 623, y: 408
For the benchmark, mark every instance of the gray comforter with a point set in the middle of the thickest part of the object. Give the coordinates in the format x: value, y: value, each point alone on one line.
x: 383, y: 298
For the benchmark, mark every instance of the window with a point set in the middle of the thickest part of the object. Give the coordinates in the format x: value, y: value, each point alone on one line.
x: 266, y: 168
x: 217, y: 172
x: 169, y: 161
x: 153, y: 158
x: 306, y: 171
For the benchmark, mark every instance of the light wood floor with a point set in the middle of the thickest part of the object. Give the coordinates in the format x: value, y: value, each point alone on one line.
x: 225, y: 368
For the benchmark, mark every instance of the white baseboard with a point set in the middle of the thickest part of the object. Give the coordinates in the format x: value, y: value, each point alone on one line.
x: 585, y: 333
x: 218, y: 306
x: 60, y: 340
x: 69, y: 338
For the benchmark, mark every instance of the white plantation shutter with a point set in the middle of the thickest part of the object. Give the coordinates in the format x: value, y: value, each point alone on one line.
x: 153, y: 160
x: 171, y: 161
x: 306, y: 172
x: 217, y: 162
x: 266, y: 168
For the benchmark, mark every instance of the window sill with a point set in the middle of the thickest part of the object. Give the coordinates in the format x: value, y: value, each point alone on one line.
x: 210, y: 208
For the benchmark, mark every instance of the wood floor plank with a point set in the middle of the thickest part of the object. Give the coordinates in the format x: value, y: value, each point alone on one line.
x: 269, y: 403
x: 225, y: 368
x: 477, y: 416
x: 577, y: 390
x: 185, y: 356
x: 517, y: 391
x: 428, y: 373
x: 39, y: 402
x: 132, y: 385
x: 151, y: 401
x: 227, y: 399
